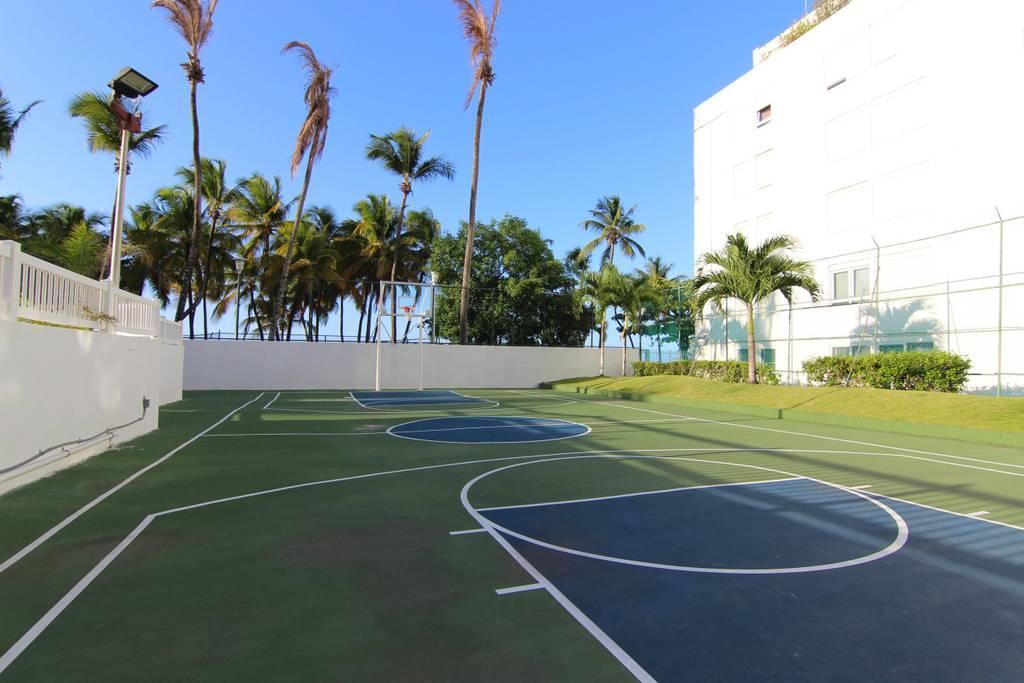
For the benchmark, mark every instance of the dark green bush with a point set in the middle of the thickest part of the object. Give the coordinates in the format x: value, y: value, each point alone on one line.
x: 912, y: 371
x: 716, y: 370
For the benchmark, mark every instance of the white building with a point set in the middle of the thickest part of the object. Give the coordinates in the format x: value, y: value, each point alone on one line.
x: 892, y: 122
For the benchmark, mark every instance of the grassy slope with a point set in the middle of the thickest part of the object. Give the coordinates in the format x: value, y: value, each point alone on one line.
x: 977, y: 412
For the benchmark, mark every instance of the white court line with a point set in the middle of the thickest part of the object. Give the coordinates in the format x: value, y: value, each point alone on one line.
x: 584, y: 621
x: 469, y: 443
x: 948, y: 512
x: 414, y: 404
x: 34, y: 632
x: 979, y: 513
x: 221, y: 436
x: 518, y: 589
x: 466, y: 531
x: 100, y: 498
x: 271, y: 401
x: 633, y: 495
x: 902, y: 529
x: 861, y: 487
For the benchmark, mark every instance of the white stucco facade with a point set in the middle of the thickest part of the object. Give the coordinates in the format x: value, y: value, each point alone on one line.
x: 889, y: 140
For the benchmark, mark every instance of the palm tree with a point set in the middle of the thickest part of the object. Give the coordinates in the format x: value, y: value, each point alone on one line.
x: 751, y: 275
x: 479, y: 31
x: 42, y: 232
x: 633, y: 295
x: 219, y: 195
x: 309, y: 143
x: 103, y: 132
x: 601, y: 290
x: 9, y: 122
x: 616, y: 228
x: 193, y: 19
x: 260, y: 210
x: 82, y: 250
x: 401, y: 152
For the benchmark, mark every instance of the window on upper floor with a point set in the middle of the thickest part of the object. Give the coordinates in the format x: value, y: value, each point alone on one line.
x: 764, y: 115
x: 850, y: 285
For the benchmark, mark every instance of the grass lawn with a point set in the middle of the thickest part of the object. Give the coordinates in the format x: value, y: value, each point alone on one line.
x: 956, y: 410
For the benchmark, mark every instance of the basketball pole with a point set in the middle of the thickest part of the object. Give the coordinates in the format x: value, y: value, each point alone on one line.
x: 421, y: 352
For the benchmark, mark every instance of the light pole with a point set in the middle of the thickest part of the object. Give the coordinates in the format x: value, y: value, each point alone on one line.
x: 239, y: 264
x: 433, y: 317
x: 133, y: 85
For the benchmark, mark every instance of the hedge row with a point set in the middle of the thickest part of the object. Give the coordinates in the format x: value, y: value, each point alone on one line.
x: 717, y: 370
x: 914, y: 371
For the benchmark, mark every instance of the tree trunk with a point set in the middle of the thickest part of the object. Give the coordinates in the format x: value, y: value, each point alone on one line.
x: 751, y: 351
x: 394, y: 264
x: 359, y: 327
x: 206, y: 267
x: 467, y: 260
x: 600, y: 343
x: 291, y: 240
x: 192, y: 253
x: 341, y: 318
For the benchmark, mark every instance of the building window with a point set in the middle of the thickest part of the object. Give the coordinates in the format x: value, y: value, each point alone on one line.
x: 764, y: 355
x: 841, y: 286
x: 764, y: 115
x: 764, y: 169
x: 856, y: 350
x: 901, y: 347
x: 850, y: 285
x: 860, y: 283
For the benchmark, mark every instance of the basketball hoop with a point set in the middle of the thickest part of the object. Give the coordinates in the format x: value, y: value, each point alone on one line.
x: 408, y: 311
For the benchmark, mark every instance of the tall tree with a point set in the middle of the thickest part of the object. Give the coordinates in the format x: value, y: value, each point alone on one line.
x: 634, y: 295
x: 479, y: 31
x: 9, y: 122
x: 193, y: 19
x: 219, y: 195
x: 752, y: 275
x: 616, y: 229
x: 600, y: 288
x: 401, y: 153
x: 309, y: 143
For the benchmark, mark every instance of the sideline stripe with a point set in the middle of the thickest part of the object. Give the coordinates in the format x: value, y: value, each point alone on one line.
x: 466, y: 531
x: 12, y: 653
x: 638, y: 493
x: 861, y: 487
x: 979, y: 513
x: 518, y: 589
x: 103, y: 496
x: 271, y: 401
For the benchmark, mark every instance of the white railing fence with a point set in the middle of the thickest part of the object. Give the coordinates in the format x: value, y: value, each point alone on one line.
x: 170, y: 332
x: 35, y: 290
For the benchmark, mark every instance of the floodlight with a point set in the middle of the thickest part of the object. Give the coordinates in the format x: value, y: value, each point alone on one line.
x: 131, y: 84
x: 239, y: 264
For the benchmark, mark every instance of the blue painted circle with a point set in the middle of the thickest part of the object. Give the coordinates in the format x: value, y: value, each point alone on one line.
x: 491, y: 429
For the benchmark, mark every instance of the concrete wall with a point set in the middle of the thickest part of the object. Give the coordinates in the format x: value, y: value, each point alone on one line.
x: 267, y: 365
x: 892, y: 123
x: 60, y: 385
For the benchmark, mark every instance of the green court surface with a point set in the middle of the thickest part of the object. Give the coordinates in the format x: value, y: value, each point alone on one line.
x: 292, y: 536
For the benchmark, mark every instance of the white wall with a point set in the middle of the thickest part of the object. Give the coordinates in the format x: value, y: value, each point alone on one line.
x: 60, y: 385
x: 299, y: 365
x: 892, y: 121
x: 172, y: 370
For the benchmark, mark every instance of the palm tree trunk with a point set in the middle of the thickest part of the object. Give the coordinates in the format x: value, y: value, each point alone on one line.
x: 192, y: 257
x: 751, y: 355
x: 291, y: 239
x: 341, y: 318
x: 467, y: 260
x: 394, y: 265
x: 206, y: 268
x: 359, y: 327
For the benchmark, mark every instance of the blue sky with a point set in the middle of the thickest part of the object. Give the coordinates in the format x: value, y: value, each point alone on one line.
x: 592, y: 97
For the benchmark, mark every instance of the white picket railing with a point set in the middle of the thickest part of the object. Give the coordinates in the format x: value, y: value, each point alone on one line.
x: 36, y: 290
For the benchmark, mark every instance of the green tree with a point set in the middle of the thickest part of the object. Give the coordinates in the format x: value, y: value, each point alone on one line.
x: 479, y: 31
x: 600, y: 288
x: 193, y: 20
x: 616, y: 229
x: 401, y: 153
x: 522, y: 294
x: 751, y: 275
x: 309, y: 144
x: 219, y: 195
x: 9, y: 122
x: 102, y: 131
x: 82, y: 250
x: 634, y: 295
x: 42, y: 232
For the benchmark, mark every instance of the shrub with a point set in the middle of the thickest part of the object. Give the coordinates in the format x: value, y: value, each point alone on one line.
x: 912, y: 371
x: 715, y: 370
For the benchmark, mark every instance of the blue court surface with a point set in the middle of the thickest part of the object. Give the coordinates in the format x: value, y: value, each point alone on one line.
x: 428, y: 397
x: 481, y: 430
x: 776, y: 581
